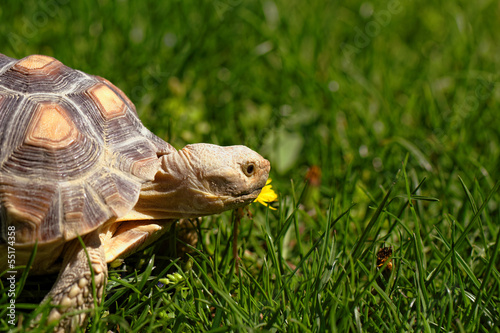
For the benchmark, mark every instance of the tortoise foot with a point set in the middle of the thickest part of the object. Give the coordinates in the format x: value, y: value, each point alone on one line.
x: 72, y: 294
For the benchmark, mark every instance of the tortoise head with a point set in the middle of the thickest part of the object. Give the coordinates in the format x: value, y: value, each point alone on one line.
x: 202, y: 179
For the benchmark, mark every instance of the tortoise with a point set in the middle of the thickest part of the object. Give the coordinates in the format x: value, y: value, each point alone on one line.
x: 77, y: 164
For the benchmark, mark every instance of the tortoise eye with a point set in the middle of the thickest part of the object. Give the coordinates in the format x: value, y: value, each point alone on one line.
x: 249, y: 169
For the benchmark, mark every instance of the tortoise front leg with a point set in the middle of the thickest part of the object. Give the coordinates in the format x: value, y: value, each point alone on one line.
x: 73, y: 287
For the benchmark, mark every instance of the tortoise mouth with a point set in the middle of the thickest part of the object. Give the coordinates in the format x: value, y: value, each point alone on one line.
x: 252, y: 193
x: 224, y: 202
x: 242, y: 199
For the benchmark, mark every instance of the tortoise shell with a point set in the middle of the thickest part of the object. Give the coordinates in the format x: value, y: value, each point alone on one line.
x: 73, y: 154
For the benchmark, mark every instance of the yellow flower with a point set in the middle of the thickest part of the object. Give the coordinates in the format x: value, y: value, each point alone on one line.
x: 267, y: 195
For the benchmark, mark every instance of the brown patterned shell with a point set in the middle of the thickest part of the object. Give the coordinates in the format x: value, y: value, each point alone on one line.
x: 73, y: 153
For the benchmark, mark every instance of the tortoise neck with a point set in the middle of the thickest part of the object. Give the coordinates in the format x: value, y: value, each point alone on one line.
x: 176, y: 192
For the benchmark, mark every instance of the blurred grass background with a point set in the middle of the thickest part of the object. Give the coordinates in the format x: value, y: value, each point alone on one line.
x: 325, y: 83
x: 347, y: 87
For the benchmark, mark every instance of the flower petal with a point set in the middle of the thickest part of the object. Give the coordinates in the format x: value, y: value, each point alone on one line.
x: 267, y: 195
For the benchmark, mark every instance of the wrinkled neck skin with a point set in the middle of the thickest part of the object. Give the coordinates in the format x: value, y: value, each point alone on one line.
x: 201, y: 179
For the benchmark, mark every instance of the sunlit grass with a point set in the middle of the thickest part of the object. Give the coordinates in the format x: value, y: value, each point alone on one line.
x: 395, y: 109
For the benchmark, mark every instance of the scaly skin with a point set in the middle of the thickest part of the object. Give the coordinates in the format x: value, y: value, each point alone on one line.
x: 73, y: 288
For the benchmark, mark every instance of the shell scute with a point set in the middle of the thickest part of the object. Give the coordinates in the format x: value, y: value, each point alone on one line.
x: 45, y: 138
x: 38, y: 74
x: 84, y: 209
x: 110, y: 104
x: 31, y: 208
x: 116, y: 191
x: 118, y: 92
x: 51, y: 127
x: 34, y: 62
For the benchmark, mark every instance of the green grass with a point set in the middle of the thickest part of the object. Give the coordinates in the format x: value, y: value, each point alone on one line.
x: 395, y: 102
